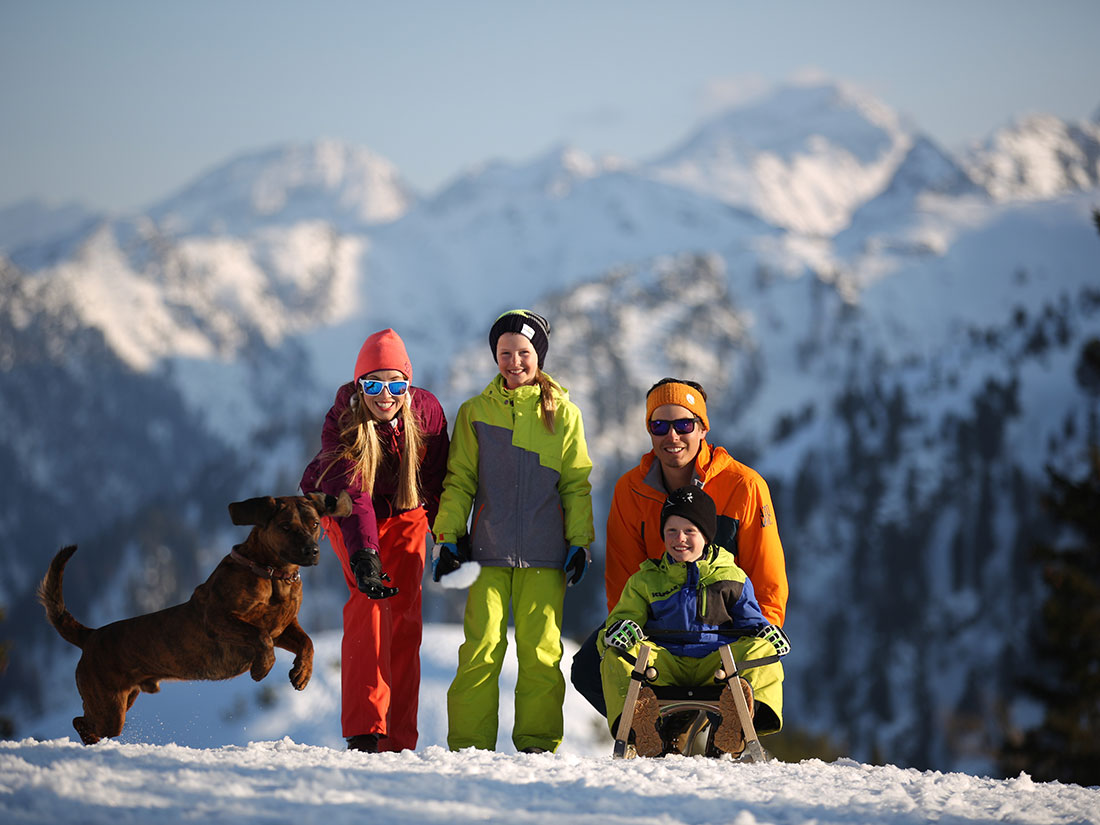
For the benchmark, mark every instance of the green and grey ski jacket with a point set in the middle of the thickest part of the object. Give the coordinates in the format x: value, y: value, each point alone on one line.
x: 524, y: 490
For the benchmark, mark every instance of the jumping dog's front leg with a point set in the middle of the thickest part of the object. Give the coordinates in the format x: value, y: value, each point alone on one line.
x: 294, y: 639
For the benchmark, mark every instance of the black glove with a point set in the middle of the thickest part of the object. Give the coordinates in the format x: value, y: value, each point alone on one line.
x: 576, y: 562
x: 446, y: 558
x: 369, y: 578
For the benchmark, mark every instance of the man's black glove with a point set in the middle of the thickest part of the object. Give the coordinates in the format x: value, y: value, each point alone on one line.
x: 369, y: 578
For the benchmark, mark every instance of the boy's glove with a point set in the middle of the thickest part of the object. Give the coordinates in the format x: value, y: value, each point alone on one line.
x: 777, y: 637
x: 576, y: 563
x: 624, y: 634
x: 369, y: 578
x: 446, y: 558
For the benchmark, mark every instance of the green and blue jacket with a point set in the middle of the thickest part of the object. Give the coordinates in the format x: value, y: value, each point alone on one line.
x: 690, y: 608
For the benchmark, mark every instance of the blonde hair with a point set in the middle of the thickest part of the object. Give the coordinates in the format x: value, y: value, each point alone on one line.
x: 363, y: 448
x: 548, y: 400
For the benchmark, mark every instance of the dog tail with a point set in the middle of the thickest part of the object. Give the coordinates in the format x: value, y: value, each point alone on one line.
x: 49, y: 594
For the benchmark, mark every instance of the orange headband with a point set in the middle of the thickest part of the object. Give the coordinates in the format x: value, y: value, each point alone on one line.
x: 680, y: 394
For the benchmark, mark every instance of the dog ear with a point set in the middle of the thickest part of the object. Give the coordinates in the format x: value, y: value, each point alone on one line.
x: 252, y: 510
x: 340, y: 506
x: 327, y: 505
x: 331, y: 505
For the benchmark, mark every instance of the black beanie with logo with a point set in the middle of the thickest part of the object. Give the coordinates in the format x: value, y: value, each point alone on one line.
x: 694, y: 505
x: 529, y: 324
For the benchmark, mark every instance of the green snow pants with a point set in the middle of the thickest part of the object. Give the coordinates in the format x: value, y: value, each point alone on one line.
x: 536, y: 595
x: 688, y: 671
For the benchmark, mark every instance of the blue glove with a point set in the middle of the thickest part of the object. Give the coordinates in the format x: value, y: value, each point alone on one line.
x: 624, y: 634
x: 777, y: 637
x: 445, y: 559
x: 576, y: 563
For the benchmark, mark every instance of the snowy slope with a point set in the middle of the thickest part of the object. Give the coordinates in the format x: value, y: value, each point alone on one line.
x: 242, y: 752
x: 284, y: 781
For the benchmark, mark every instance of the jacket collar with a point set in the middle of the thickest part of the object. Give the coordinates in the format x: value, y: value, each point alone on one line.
x: 704, y: 564
x: 496, y: 389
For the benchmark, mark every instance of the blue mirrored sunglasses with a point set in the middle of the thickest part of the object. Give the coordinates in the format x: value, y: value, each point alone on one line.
x: 372, y: 387
x: 660, y: 426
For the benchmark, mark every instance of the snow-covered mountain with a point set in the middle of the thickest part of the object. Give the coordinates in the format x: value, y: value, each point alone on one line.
x: 888, y: 335
x: 804, y: 158
x: 350, y: 187
x: 1037, y: 158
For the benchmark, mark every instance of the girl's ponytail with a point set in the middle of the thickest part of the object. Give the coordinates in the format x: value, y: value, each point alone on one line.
x: 548, y: 399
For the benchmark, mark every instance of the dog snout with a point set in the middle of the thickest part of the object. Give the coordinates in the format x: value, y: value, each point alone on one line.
x: 311, y: 555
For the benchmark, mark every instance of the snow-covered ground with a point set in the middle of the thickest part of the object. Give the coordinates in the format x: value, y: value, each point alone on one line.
x: 283, y: 781
x: 241, y: 752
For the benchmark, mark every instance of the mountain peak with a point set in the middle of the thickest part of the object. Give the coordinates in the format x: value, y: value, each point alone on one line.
x: 555, y: 172
x: 790, y: 118
x: 1038, y: 157
x: 804, y: 156
x: 346, y: 185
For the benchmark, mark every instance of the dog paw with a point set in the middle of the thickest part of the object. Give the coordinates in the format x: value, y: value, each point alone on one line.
x: 299, y: 676
x: 87, y: 735
x: 262, y: 665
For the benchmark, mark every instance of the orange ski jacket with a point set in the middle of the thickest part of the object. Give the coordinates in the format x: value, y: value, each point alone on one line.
x: 746, y: 525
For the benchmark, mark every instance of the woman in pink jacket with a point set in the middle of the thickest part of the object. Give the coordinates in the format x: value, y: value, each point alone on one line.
x: 385, y: 442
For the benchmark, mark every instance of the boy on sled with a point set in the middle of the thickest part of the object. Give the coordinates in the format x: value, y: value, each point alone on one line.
x: 687, y: 606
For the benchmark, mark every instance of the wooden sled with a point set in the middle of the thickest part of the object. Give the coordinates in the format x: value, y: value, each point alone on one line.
x: 703, y: 701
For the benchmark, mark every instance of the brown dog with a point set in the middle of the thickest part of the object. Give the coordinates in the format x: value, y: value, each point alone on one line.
x: 228, y: 626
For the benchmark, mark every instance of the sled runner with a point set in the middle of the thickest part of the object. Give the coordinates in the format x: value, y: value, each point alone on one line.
x: 692, y: 707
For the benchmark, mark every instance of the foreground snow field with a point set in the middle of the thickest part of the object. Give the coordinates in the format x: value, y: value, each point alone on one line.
x: 240, y: 752
x: 61, y: 781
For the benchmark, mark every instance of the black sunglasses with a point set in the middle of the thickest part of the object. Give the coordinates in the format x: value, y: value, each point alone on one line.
x: 660, y: 426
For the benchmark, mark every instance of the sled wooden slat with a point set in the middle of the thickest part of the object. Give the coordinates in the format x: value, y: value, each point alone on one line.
x: 626, y: 720
x: 753, y: 752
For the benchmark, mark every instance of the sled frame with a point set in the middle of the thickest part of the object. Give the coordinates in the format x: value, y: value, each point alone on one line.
x: 700, y: 699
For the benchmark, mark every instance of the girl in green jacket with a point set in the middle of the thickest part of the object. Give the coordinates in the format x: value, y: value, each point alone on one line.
x: 517, y: 472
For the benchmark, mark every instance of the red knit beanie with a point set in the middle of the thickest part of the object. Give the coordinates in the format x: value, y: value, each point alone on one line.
x: 383, y: 351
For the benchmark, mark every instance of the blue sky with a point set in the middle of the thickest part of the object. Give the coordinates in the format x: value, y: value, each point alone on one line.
x: 117, y: 103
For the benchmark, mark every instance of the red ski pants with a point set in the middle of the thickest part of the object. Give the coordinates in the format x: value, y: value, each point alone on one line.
x: 380, y: 651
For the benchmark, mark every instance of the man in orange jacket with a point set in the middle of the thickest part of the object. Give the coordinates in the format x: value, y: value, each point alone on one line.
x: 676, y: 417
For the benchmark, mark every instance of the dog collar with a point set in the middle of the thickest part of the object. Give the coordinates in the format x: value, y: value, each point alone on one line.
x: 262, y: 571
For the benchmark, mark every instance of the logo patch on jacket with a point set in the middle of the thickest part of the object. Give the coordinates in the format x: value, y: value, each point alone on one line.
x: 766, y: 517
